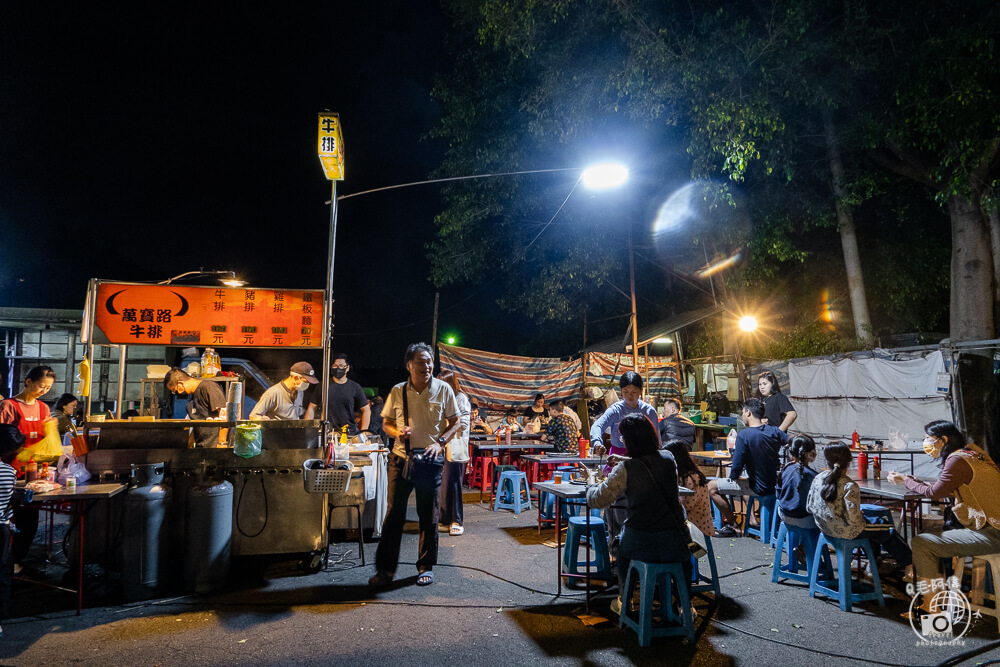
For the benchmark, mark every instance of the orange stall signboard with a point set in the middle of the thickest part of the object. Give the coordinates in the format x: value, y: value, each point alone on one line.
x: 224, y: 316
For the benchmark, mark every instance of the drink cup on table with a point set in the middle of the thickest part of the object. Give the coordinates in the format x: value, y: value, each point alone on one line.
x: 557, y: 478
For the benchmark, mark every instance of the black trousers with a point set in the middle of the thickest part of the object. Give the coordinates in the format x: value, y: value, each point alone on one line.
x: 26, y: 520
x: 399, y: 489
x: 451, y: 493
x: 6, y: 567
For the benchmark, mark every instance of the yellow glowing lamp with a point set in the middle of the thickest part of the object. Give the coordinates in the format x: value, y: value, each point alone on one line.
x: 330, y: 146
x: 748, y: 323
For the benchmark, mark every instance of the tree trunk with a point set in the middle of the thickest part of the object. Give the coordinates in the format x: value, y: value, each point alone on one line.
x: 848, y: 239
x: 971, y: 310
x: 971, y: 272
x: 994, y: 221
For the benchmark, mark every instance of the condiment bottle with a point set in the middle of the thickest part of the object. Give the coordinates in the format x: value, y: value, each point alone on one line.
x: 877, y: 467
x: 31, y: 470
x: 210, y: 365
x: 507, y: 437
x: 855, y: 440
x: 862, y: 464
x: 583, y: 447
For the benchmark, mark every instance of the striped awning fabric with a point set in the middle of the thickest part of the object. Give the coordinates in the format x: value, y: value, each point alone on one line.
x: 502, y: 381
x: 659, y: 373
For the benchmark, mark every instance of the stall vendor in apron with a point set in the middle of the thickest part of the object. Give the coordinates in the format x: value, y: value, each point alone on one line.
x: 27, y: 412
x: 205, y: 401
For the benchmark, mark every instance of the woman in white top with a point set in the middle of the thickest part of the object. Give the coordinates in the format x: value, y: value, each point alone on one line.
x: 451, y: 518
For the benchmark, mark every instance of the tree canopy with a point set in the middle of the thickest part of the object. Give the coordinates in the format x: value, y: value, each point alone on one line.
x: 744, y: 100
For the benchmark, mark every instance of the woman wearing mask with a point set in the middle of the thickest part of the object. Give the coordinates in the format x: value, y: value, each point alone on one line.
x: 970, y: 476
x: 778, y: 410
x: 27, y: 412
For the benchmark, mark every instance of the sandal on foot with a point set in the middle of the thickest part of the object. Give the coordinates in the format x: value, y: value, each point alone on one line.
x: 425, y: 578
x: 456, y: 529
x: 380, y: 580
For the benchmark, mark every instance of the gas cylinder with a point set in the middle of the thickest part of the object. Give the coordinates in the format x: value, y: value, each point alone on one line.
x: 145, y: 565
x: 208, y: 528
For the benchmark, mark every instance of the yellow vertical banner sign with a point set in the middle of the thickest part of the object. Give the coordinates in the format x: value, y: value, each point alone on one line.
x: 331, y: 146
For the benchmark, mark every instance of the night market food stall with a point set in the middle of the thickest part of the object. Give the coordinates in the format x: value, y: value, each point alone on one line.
x: 258, y: 504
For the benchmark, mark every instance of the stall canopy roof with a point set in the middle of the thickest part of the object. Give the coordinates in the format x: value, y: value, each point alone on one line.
x: 650, y: 333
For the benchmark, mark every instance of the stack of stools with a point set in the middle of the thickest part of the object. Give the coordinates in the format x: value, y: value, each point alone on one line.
x: 481, y: 473
x: 579, y: 530
x: 652, y: 577
x: 787, y: 539
x: 509, y: 492
x: 846, y: 585
x: 985, y: 579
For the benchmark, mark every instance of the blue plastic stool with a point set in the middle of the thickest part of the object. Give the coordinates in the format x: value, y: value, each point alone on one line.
x: 665, y: 577
x: 845, y: 582
x: 509, y: 492
x: 766, y: 510
x: 577, y: 531
x: 775, y: 520
x: 702, y: 583
x: 787, y: 539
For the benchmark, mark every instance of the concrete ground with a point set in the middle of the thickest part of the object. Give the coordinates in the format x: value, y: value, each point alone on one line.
x: 493, y: 603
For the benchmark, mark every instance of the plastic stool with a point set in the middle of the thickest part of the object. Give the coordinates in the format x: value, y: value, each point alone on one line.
x: 701, y: 583
x: 766, y: 510
x: 578, y: 530
x: 775, y: 520
x: 982, y: 590
x: 787, y: 539
x: 845, y: 582
x: 652, y: 576
x: 511, y: 481
x: 482, y: 472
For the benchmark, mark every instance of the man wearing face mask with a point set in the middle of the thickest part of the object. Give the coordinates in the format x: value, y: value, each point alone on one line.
x: 284, y: 400
x: 345, y: 398
x: 206, y: 400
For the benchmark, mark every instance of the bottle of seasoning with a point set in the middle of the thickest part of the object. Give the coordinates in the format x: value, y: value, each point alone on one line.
x: 877, y: 467
x: 862, y: 464
x: 855, y: 440
x: 507, y: 437
x: 583, y: 447
x: 210, y: 365
x: 31, y: 470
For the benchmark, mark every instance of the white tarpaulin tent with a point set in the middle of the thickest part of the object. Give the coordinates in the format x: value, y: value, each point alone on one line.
x: 870, y: 394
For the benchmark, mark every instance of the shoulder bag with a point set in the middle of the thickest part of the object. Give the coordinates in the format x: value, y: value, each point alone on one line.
x: 422, y: 470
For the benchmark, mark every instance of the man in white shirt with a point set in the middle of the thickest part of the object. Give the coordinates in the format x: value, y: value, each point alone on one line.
x: 421, y: 414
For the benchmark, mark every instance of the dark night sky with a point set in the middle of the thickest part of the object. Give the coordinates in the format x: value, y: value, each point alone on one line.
x: 140, y: 142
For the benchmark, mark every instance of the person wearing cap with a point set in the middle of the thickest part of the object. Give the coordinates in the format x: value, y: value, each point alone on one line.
x: 345, y: 398
x: 284, y: 400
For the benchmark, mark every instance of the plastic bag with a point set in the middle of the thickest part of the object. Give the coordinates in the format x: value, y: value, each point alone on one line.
x: 48, y: 449
x: 897, y: 440
x: 249, y: 440
x: 69, y: 466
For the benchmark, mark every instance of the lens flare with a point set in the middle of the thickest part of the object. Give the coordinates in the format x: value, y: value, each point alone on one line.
x: 721, y: 265
x: 748, y: 323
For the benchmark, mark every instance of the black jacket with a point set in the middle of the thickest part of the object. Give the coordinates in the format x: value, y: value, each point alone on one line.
x: 677, y: 427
